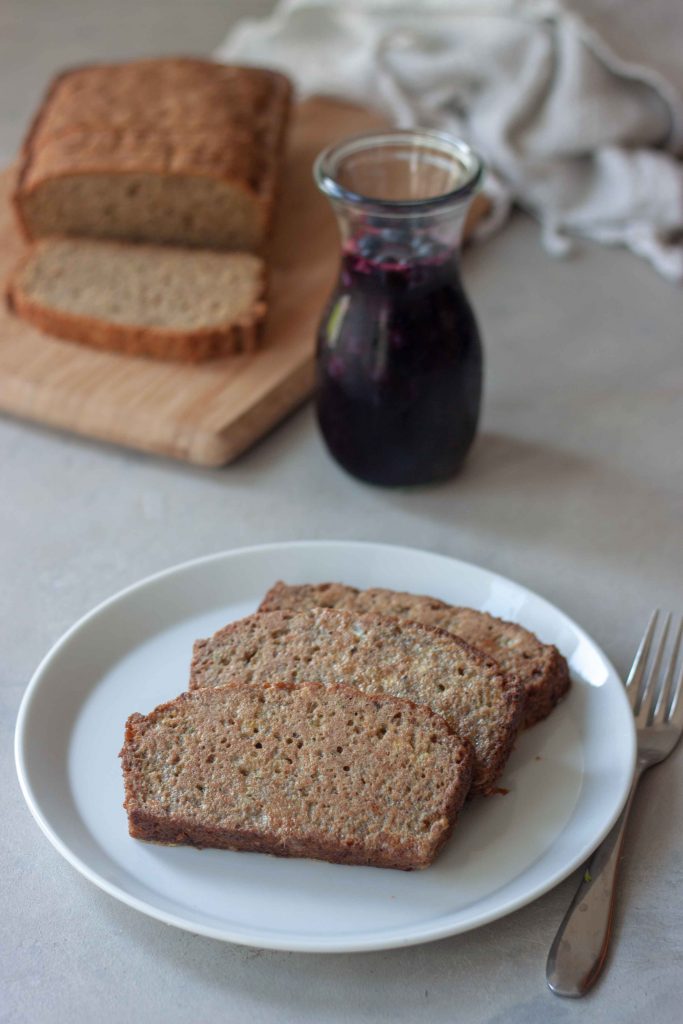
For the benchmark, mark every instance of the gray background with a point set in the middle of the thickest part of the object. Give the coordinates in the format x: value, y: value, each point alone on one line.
x: 574, y: 488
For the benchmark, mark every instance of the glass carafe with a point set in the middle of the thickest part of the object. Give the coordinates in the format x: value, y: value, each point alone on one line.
x: 399, y: 358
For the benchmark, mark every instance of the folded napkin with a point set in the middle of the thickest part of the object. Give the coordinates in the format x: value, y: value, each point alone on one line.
x: 580, y: 138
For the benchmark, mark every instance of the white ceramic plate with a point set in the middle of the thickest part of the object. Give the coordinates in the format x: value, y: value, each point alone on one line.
x: 567, y: 778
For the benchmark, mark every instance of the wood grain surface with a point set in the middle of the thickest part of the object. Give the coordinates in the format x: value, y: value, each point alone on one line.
x: 207, y: 414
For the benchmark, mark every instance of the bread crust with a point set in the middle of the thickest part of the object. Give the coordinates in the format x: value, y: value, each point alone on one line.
x: 384, y: 849
x: 540, y: 668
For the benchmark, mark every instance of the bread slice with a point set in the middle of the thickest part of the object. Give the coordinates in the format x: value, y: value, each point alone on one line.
x: 540, y: 667
x: 378, y: 655
x: 156, y: 301
x: 173, y: 150
x: 297, y: 771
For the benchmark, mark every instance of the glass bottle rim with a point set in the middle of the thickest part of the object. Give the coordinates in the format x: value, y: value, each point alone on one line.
x: 327, y: 164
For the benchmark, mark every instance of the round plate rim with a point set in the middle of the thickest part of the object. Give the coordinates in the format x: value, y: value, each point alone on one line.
x: 244, y: 937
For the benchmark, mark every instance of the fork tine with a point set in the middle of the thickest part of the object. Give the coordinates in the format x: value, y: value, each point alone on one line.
x: 635, y: 676
x: 676, y: 713
x: 664, y: 699
x: 650, y: 688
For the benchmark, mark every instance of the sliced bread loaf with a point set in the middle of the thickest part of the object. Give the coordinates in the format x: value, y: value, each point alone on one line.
x: 157, y: 301
x: 378, y: 655
x: 540, y: 667
x: 173, y: 150
x: 303, y: 771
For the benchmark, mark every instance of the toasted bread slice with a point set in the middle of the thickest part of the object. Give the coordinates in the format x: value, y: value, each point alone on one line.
x: 297, y: 771
x: 540, y: 667
x: 378, y: 655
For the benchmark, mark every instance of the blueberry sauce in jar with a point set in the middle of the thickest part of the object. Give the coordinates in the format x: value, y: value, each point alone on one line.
x: 399, y: 368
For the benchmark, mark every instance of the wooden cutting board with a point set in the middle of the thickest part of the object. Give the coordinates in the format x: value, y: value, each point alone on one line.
x: 205, y: 414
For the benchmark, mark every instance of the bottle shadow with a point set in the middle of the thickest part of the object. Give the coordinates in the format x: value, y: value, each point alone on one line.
x: 514, y: 493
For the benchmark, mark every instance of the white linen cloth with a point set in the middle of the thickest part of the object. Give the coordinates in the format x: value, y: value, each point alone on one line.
x: 580, y: 138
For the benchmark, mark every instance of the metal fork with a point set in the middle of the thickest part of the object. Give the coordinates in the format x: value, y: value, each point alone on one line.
x: 578, y: 953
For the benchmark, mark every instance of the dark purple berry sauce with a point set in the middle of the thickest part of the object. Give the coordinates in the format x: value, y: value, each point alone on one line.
x: 399, y: 368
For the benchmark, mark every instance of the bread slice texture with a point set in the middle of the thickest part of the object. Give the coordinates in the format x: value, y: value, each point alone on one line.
x: 156, y: 301
x: 540, y: 667
x: 296, y: 771
x: 377, y: 655
x: 172, y: 150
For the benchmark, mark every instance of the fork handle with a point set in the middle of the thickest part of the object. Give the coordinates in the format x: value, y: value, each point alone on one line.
x: 578, y: 952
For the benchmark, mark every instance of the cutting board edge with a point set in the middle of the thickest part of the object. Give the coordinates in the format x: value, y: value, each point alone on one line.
x: 213, y: 450
x: 198, y: 447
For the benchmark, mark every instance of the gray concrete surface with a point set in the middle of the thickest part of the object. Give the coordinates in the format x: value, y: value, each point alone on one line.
x: 574, y: 488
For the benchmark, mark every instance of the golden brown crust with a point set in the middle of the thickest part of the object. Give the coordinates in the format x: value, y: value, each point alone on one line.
x: 363, y: 828
x: 191, y: 346
x: 160, y: 94
x: 540, y: 667
x: 166, y: 117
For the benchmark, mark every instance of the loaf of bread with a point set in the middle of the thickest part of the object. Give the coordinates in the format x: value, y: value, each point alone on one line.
x: 158, y: 301
x: 378, y: 655
x: 297, y: 771
x: 540, y: 667
x: 170, y: 150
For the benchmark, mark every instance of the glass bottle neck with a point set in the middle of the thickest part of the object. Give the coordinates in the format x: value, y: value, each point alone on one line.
x: 401, y: 238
